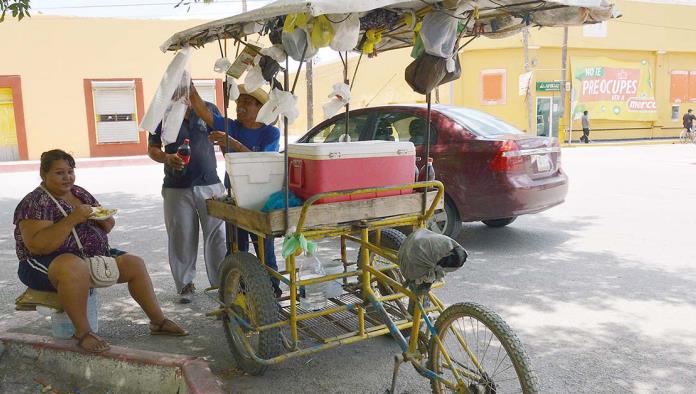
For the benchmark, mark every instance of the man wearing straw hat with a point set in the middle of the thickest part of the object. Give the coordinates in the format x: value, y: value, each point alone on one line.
x: 245, y: 134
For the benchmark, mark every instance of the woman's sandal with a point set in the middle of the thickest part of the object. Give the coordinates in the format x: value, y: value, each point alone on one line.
x: 100, y: 346
x: 174, y: 329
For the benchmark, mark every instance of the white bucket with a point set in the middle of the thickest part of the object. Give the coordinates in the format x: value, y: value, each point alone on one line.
x: 61, y: 325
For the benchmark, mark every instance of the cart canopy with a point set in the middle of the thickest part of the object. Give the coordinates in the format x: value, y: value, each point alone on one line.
x: 492, y: 18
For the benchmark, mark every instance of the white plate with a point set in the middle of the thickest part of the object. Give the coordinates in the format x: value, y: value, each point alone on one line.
x: 111, y: 213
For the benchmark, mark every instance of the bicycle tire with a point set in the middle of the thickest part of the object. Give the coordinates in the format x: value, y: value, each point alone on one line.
x: 477, y: 317
x: 244, y: 275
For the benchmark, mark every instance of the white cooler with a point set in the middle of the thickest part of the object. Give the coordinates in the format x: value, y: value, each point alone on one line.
x: 254, y: 176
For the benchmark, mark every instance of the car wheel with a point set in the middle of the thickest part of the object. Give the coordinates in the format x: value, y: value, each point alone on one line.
x: 446, y: 221
x: 499, y: 222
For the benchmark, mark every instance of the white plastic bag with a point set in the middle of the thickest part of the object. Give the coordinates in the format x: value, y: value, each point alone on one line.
x: 346, y: 31
x: 232, y: 89
x: 340, y: 96
x: 295, y: 42
x: 171, y: 124
x: 254, y: 77
x: 165, y: 91
x: 222, y: 65
x: 439, y: 33
x: 279, y: 103
x: 276, y: 52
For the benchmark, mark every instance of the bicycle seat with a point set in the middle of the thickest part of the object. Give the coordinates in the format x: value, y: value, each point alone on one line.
x: 425, y: 256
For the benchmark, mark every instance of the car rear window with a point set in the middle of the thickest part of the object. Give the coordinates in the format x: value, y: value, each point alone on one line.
x: 481, y: 123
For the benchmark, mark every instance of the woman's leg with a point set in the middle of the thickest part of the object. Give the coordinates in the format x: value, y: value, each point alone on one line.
x: 132, y: 270
x: 70, y: 276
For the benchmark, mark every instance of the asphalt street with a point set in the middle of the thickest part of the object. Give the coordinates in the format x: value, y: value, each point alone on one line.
x: 599, y: 289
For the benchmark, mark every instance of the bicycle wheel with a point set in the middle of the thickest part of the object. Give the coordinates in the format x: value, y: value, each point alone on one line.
x: 246, y: 288
x: 505, y: 367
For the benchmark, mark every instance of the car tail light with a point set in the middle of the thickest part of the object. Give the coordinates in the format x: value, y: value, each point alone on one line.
x: 508, y: 158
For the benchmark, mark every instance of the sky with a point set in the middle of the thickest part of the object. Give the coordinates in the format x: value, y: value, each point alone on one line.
x: 144, y: 9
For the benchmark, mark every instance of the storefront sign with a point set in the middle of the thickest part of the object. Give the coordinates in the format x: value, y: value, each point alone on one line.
x: 612, y: 89
x: 548, y: 86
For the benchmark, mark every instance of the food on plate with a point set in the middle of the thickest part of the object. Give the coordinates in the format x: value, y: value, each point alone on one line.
x: 102, y: 213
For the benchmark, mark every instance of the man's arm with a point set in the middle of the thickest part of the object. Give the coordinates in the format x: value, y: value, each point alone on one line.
x: 200, y: 108
x: 169, y: 159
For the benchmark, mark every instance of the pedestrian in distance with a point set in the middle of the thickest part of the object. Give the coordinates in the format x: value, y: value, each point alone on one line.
x: 585, y: 127
x: 184, y: 191
x: 688, y: 122
x: 245, y: 134
x: 47, y: 222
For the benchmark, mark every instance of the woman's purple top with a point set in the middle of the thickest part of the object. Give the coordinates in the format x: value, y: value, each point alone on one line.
x: 38, y: 205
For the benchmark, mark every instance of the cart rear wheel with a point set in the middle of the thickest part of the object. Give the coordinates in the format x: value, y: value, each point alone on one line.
x: 505, y: 365
x: 246, y: 288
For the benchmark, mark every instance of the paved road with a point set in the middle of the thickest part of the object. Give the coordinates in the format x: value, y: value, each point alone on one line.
x: 599, y: 289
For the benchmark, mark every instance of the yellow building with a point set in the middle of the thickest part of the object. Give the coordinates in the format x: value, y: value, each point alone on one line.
x: 65, y: 82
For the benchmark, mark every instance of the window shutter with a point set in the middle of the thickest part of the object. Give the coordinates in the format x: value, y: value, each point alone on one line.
x: 206, y: 89
x: 115, y: 111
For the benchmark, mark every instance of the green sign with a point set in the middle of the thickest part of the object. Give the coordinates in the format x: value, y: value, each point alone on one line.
x: 548, y: 86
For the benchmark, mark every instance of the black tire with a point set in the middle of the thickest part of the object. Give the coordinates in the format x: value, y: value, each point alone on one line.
x: 507, y: 370
x: 447, y: 222
x: 244, y: 276
x: 496, y: 223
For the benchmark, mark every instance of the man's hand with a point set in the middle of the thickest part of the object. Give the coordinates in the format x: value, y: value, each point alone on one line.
x: 218, y: 138
x: 174, y: 161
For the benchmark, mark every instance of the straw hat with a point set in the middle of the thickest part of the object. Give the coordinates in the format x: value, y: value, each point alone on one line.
x: 258, y: 94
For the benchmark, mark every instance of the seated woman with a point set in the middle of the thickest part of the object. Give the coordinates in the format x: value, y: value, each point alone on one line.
x: 49, y: 258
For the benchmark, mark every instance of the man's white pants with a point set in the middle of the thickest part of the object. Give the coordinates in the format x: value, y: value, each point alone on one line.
x: 184, y: 209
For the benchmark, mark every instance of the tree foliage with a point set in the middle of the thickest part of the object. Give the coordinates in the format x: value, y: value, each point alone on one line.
x: 17, y: 8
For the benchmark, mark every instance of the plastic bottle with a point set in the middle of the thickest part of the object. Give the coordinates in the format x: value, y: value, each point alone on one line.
x: 61, y: 325
x: 314, y: 296
x: 427, y: 171
x: 184, y: 153
x: 335, y: 287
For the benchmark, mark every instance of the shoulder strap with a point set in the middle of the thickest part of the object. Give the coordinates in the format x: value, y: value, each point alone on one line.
x: 77, y: 239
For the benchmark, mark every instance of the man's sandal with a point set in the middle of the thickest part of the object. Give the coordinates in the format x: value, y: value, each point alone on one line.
x: 101, y: 345
x: 173, y: 330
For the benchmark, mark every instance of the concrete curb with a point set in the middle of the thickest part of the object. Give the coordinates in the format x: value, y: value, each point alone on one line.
x: 620, y: 143
x: 197, y: 376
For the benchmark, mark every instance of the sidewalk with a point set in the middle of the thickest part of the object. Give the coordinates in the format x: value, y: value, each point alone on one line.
x: 33, y: 165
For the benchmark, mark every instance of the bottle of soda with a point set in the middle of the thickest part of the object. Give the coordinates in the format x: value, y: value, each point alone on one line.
x: 427, y: 172
x: 184, y: 153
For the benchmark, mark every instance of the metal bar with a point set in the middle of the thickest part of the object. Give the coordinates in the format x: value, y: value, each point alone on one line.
x: 290, y: 266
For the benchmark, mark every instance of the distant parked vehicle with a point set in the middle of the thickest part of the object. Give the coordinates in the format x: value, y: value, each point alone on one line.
x: 492, y: 171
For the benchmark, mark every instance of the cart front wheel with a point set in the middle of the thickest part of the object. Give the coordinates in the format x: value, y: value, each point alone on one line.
x: 246, y: 288
x: 504, y: 365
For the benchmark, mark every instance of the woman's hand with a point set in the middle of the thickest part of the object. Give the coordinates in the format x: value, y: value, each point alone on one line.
x: 80, y: 214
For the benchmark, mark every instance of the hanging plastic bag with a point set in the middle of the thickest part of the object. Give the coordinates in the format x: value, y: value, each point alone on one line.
x: 232, y: 89
x: 276, y: 52
x: 165, y: 90
x: 269, y: 67
x: 340, y: 96
x: 428, y: 71
x: 222, y: 65
x: 171, y: 124
x: 439, y: 33
x: 295, y: 43
x: 346, y: 31
x: 279, y: 103
x: 254, y: 78
x: 322, y: 32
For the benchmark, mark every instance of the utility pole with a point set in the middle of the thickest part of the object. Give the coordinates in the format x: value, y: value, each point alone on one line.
x: 527, y: 68
x: 310, y: 94
x: 564, y: 73
x: 244, y: 5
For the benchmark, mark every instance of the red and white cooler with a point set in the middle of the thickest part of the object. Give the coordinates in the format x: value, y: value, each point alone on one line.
x: 324, y: 167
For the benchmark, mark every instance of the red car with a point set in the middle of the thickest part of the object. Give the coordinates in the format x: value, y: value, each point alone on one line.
x: 492, y: 171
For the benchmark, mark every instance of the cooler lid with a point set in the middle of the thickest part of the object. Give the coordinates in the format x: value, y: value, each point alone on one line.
x: 253, y: 157
x: 351, y: 150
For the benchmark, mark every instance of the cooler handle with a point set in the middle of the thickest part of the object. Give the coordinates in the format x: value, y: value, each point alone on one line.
x: 296, y: 173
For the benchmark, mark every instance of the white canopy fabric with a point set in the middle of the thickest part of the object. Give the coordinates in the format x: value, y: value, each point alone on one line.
x: 530, y: 12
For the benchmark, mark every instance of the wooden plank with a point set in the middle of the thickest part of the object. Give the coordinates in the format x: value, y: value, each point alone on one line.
x: 322, y: 214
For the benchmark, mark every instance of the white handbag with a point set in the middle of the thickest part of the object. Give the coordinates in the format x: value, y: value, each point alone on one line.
x: 103, y: 270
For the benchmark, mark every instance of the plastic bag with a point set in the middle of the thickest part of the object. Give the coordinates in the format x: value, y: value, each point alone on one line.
x: 340, y: 96
x: 222, y: 65
x: 277, y: 201
x: 279, y: 103
x: 171, y: 124
x: 322, y: 32
x: 232, y: 89
x: 346, y: 31
x: 425, y: 73
x: 163, y: 97
x: 425, y: 256
x: 439, y: 33
x: 269, y: 67
x: 276, y: 52
x: 254, y: 78
x: 295, y: 43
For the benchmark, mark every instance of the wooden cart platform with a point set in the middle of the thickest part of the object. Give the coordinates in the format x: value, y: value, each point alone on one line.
x: 321, y: 215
